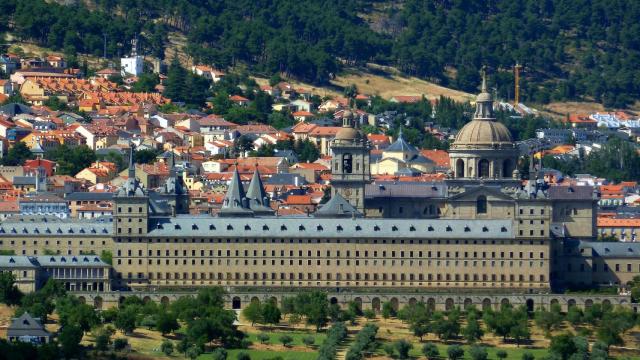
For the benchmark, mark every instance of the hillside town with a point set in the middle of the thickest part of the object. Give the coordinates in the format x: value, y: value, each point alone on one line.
x: 62, y: 108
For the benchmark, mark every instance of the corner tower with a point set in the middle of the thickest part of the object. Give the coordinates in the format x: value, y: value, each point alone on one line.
x: 350, y: 169
x: 131, y: 205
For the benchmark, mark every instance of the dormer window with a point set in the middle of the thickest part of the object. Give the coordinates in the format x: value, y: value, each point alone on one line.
x: 212, y: 227
x: 430, y: 228
x: 467, y: 229
x: 503, y: 229
x: 283, y: 228
x: 376, y: 228
x: 485, y: 229
x: 178, y: 227
x: 394, y: 228
x: 319, y: 228
x: 194, y: 227
x: 229, y: 227
x: 247, y: 227
x: 339, y: 228
x: 265, y: 228
x: 301, y: 228
x: 449, y: 229
x: 358, y: 228
x: 412, y: 228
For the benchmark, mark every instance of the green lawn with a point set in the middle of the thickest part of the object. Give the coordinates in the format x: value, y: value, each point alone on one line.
x: 512, y: 353
x: 297, y: 336
x: 265, y: 354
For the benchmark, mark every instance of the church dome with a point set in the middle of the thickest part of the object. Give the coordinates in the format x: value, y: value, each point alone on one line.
x: 347, y: 133
x: 483, y: 133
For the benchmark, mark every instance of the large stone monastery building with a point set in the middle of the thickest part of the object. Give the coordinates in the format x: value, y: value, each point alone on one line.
x: 478, y: 231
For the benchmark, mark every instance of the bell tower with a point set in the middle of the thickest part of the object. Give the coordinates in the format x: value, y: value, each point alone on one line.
x: 350, y: 171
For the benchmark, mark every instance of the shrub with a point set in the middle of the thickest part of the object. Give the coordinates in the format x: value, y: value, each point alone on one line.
x: 455, y: 352
x: 219, y: 354
x: 120, y: 344
x: 403, y: 347
x: 167, y: 347
x: 286, y: 340
x: 430, y: 350
x: 526, y: 356
x: 243, y: 356
x: 309, y: 340
x: 193, y: 352
x: 335, y: 335
x: 389, y: 349
x: 263, y: 338
x: 478, y: 353
x: 103, y: 338
x: 501, y: 354
x: 369, y: 314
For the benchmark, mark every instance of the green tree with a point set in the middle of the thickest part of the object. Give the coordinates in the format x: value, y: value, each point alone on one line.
x: 563, y: 346
x: 253, y: 312
x: 72, y: 311
x: 270, y: 313
x: 430, y: 351
x: 106, y: 256
x: 243, y: 356
x: 388, y: 310
x: 166, y: 347
x: 263, y: 338
x: 402, y: 347
x: 145, y: 156
x: 473, y: 331
x: 478, y: 353
x: 120, y: 344
x: 455, y: 352
x: 102, y: 340
x: 574, y: 315
x: 69, y: 340
x: 219, y: 354
x: 525, y: 356
x: 9, y: 293
x: 126, y: 320
x: 193, y: 352
x: 548, y: 320
x: 146, y: 83
x: 166, y: 322
x: 17, y: 155
x: 309, y: 341
x: 54, y: 103
x: 502, y: 354
x: 286, y: 340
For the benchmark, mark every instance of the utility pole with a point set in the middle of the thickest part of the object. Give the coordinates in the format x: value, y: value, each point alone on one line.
x: 516, y: 70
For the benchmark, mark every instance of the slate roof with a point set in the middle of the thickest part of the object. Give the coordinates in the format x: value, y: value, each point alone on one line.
x: 234, y: 202
x: 613, y: 249
x: 70, y: 261
x: 26, y: 325
x: 570, y: 192
x: 14, y: 109
x: 337, y: 206
x: 314, y: 227
x: 286, y: 179
x: 89, y: 196
x: 385, y: 189
x: 401, y: 145
x: 11, y: 261
x: 44, y: 226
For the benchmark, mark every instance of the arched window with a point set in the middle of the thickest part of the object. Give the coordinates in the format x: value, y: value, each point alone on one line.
x: 347, y: 163
x: 459, y: 168
x: 507, y: 168
x: 481, y: 205
x: 483, y: 168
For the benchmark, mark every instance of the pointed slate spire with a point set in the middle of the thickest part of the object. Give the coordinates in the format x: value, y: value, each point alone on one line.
x: 337, y: 206
x: 258, y: 198
x: 235, y: 202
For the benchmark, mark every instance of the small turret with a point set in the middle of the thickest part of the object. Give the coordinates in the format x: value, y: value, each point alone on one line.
x: 258, y: 199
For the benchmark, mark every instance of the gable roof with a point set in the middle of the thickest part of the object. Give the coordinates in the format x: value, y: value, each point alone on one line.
x: 337, y: 206
x: 26, y: 325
